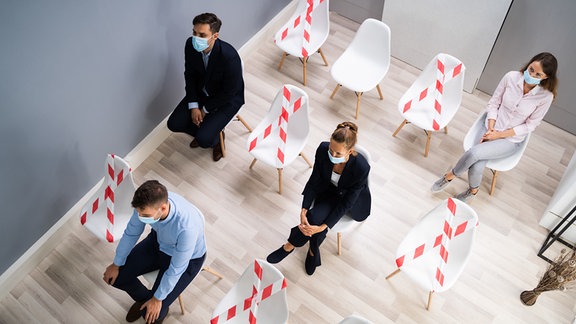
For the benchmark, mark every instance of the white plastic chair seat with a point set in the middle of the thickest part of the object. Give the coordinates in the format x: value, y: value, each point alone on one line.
x: 355, y: 319
x: 496, y: 165
x: 107, y: 212
x: 366, y: 60
x: 434, y: 255
x: 281, y: 136
x: 293, y: 41
x: 434, y: 98
x: 346, y: 223
x: 268, y: 305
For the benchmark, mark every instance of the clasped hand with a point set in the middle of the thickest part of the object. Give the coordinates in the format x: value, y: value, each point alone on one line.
x: 197, y: 116
x: 490, y: 135
x: 308, y: 229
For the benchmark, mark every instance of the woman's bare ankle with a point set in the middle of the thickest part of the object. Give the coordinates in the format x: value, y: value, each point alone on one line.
x: 288, y: 247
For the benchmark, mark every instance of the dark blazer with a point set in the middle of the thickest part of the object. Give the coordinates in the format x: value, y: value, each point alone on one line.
x: 353, y: 194
x: 222, y: 78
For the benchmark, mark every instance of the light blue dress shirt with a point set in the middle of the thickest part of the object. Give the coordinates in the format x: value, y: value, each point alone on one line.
x: 180, y: 235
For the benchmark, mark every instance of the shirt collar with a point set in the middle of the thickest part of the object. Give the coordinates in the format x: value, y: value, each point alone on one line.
x: 520, y: 83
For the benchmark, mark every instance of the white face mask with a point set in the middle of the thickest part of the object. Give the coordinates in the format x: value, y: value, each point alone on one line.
x: 336, y: 160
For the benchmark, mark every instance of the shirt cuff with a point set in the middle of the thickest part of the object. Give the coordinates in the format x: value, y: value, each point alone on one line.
x: 192, y: 105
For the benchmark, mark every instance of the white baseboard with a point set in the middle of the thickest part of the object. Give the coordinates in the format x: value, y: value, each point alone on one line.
x: 70, y: 221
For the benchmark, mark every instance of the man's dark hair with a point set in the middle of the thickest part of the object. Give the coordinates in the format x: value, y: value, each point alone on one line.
x: 210, y: 19
x: 150, y: 194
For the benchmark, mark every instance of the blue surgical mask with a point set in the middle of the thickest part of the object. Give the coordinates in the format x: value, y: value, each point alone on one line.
x: 336, y: 160
x: 148, y: 220
x: 529, y: 79
x: 199, y: 43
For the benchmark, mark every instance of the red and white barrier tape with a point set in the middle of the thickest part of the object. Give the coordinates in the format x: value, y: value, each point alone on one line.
x: 252, y: 302
x: 437, y: 89
x: 113, y: 180
x: 311, y: 5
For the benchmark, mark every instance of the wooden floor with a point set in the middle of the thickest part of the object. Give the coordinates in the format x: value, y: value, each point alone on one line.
x: 246, y: 218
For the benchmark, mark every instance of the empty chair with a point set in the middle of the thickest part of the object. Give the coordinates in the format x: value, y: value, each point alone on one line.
x: 365, y: 62
x: 355, y: 319
x: 259, y: 296
x: 305, y: 32
x: 433, y: 99
x: 346, y: 222
x: 282, y: 134
x: 152, y: 276
x: 497, y: 165
x: 108, y: 211
x: 435, y: 251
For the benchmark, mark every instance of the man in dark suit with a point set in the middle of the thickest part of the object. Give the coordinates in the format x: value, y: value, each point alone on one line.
x: 214, y: 86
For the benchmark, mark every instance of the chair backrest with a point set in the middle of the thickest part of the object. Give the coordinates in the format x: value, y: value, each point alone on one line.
x: 282, y: 134
x: 355, y: 319
x: 306, y: 31
x: 259, y: 296
x: 108, y: 211
x: 434, y: 98
x: 503, y: 164
x: 371, y: 46
x: 434, y: 252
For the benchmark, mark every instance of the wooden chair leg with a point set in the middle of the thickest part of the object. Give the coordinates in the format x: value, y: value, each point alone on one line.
x: 304, y: 68
x: 359, y: 95
x: 493, y: 186
x: 282, y: 60
x: 339, y: 241
x: 244, y: 123
x: 429, y: 300
x: 323, y: 57
x: 280, y: 181
x: 446, y: 130
x: 181, y: 304
x: 379, y: 92
x: 335, y: 90
x: 306, y: 159
x: 400, y: 127
x: 252, y: 164
x: 209, y: 270
x: 393, y: 274
x: 428, y: 138
x: 222, y: 145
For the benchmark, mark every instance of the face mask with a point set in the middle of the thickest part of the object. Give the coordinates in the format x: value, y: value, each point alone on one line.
x: 529, y: 79
x: 200, y: 43
x: 336, y: 160
x: 148, y: 220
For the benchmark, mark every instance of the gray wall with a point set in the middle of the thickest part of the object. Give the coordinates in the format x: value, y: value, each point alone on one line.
x: 358, y: 10
x: 531, y: 27
x: 80, y: 79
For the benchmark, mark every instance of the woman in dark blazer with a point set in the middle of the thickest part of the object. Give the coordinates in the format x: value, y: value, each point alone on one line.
x: 338, y: 185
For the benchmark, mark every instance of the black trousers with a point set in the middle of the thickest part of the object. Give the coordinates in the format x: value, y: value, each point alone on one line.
x: 207, y: 134
x: 316, y: 216
x: 146, y: 257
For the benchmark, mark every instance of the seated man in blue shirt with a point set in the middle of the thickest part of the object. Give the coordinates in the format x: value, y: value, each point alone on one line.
x: 175, y: 246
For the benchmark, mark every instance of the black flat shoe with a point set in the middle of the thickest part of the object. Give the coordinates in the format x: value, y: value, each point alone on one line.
x: 278, y: 255
x: 134, y: 313
x: 310, y: 263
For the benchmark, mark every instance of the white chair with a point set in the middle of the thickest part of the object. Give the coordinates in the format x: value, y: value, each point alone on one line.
x: 435, y: 251
x: 355, y: 319
x: 151, y: 278
x: 365, y: 61
x: 237, y: 118
x: 433, y: 99
x: 259, y: 296
x: 497, y: 165
x: 305, y: 32
x: 346, y: 222
x: 108, y: 211
x: 282, y: 134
